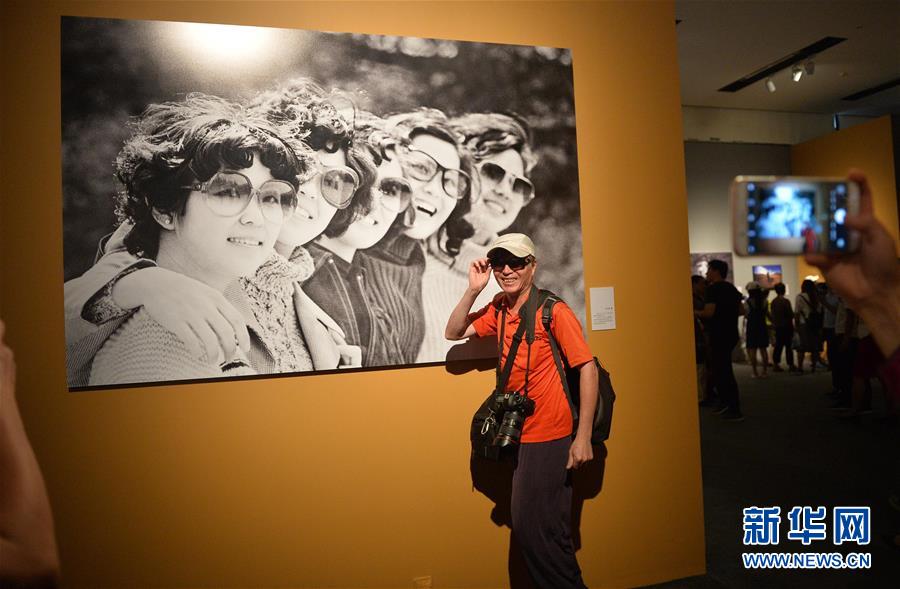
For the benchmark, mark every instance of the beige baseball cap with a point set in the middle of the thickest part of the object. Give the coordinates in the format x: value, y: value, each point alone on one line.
x: 518, y: 244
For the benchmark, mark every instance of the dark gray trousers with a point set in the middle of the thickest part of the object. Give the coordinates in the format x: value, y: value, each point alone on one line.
x: 542, y: 514
x: 723, y: 374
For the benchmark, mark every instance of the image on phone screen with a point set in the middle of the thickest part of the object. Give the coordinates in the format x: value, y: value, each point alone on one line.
x: 793, y: 218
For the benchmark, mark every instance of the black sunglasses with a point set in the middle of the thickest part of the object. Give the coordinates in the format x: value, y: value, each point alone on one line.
x: 514, y: 262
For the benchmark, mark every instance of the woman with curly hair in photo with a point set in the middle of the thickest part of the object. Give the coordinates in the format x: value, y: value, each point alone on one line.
x: 288, y: 331
x: 206, y: 191
x: 500, y: 145
x: 340, y: 284
x: 440, y: 174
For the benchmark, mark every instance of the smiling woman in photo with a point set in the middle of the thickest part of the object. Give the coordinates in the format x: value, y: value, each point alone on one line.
x: 337, y: 186
x: 288, y: 332
x: 206, y: 191
x: 360, y: 272
x: 500, y: 146
x: 340, y: 284
x: 439, y: 173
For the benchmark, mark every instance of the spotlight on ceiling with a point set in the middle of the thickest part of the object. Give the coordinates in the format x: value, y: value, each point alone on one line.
x: 796, y: 72
x: 810, y: 67
x: 770, y: 85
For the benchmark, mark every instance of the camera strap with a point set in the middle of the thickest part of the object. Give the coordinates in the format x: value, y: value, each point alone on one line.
x: 526, y: 329
x: 500, y: 350
x: 503, y: 375
x: 527, y: 314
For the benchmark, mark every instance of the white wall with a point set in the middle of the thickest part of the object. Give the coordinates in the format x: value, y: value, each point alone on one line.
x: 732, y: 125
x: 709, y: 168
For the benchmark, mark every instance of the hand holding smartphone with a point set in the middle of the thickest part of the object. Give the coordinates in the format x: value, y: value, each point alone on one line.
x: 793, y: 215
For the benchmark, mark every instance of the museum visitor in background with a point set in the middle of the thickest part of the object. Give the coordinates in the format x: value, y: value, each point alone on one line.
x: 722, y: 307
x: 757, y: 331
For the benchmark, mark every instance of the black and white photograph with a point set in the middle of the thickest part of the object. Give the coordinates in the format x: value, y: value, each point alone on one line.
x: 700, y: 263
x: 241, y: 201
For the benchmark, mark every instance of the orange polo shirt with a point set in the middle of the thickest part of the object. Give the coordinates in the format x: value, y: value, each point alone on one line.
x: 552, y: 418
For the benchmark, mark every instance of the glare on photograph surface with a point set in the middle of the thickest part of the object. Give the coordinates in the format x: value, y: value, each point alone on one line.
x: 230, y: 42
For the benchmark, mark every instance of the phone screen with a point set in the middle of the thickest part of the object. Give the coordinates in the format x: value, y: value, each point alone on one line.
x: 796, y: 217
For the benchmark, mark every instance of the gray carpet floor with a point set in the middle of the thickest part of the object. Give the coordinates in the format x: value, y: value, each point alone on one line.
x: 793, y: 450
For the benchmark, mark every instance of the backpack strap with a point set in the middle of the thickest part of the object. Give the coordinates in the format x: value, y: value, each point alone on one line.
x: 500, y: 337
x: 551, y: 299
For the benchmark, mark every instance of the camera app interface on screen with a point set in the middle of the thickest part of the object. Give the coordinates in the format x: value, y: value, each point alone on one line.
x: 780, y: 214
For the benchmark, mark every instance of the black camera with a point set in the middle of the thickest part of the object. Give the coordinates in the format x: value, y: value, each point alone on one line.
x: 515, y: 408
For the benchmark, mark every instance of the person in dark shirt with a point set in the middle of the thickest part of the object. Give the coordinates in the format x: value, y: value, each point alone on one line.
x: 722, y: 308
x: 757, y: 332
x: 701, y: 342
x: 783, y: 322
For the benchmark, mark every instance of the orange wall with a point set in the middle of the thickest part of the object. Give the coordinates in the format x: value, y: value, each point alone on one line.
x: 352, y: 480
x: 868, y: 147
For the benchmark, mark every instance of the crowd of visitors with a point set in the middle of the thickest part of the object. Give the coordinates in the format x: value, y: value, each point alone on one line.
x: 817, y: 331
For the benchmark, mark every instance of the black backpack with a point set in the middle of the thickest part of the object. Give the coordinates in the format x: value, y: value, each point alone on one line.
x: 571, y: 377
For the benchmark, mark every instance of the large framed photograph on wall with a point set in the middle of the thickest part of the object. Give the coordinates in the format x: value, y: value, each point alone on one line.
x: 245, y: 201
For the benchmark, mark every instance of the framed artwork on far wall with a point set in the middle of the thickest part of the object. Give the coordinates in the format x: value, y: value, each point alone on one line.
x: 767, y: 276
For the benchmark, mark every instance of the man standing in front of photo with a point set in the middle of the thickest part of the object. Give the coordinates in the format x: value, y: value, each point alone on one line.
x: 541, y: 501
x: 722, y: 308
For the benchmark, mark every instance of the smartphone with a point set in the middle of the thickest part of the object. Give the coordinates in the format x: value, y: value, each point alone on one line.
x: 793, y: 215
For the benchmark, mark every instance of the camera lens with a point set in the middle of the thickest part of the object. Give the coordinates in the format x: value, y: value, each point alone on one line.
x: 515, y: 408
x: 510, y: 429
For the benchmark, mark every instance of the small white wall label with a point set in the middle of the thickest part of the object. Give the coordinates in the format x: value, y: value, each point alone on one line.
x: 603, y: 308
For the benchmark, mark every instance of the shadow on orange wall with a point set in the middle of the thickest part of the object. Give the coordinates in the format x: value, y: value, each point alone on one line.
x: 494, y: 481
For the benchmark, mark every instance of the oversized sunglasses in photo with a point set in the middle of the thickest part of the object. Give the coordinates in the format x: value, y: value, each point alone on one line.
x: 338, y: 184
x: 420, y: 166
x: 394, y: 194
x: 493, y: 174
x: 228, y: 193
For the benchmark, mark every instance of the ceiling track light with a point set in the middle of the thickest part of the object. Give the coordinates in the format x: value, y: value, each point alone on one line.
x: 800, y: 56
x: 809, y: 67
x: 796, y: 72
x: 770, y: 85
